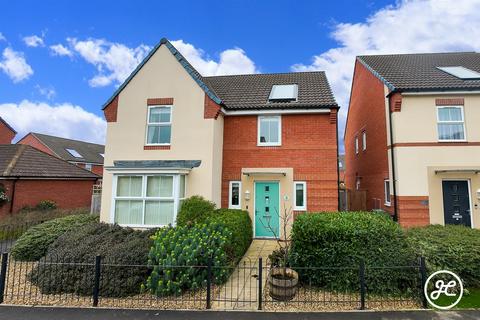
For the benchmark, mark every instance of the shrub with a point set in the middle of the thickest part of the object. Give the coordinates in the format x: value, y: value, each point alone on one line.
x: 194, y: 210
x: 33, y: 244
x: 175, y: 249
x: 46, y: 205
x: 116, y: 245
x: 342, y: 240
x: 240, y: 224
x: 455, y: 248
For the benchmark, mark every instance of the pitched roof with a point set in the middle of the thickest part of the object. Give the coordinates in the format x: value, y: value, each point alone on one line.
x: 17, y: 160
x: 252, y: 91
x: 419, y: 72
x: 7, y: 125
x: 90, y: 152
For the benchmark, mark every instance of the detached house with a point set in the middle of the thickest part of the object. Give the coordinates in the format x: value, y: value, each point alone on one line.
x: 83, y: 154
x: 262, y: 142
x: 412, y: 137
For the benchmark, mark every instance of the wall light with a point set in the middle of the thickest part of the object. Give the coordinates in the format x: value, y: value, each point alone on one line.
x: 247, y: 195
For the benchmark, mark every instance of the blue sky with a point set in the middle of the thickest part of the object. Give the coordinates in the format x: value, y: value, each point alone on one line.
x: 60, y: 60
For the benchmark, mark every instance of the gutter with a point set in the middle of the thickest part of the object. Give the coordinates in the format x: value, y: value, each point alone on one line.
x: 392, y: 156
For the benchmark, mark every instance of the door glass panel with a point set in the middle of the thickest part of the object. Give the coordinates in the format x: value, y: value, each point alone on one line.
x: 267, y: 188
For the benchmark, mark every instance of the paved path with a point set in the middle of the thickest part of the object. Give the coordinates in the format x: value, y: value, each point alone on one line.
x: 51, y: 313
x: 241, y: 290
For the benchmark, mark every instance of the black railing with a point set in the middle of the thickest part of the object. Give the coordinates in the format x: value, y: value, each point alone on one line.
x: 246, y: 286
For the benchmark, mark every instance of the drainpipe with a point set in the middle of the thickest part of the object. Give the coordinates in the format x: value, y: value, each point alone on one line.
x: 392, y: 156
x: 338, y: 169
x: 12, y: 198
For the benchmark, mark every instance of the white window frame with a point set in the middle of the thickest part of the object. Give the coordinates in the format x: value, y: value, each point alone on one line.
x: 387, y: 195
x: 271, y: 144
x: 364, y: 140
x: 356, y: 144
x: 88, y: 166
x: 357, y: 183
x: 164, y: 124
x: 230, y: 188
x: 175, y: 196
x: 304, y: 207
x: 451, y: 122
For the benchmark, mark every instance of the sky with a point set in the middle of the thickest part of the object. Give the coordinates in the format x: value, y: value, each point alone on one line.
x: 61, y: 60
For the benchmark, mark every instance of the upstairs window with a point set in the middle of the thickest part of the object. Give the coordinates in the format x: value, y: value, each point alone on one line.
x: 159, y: 125
x: 269, y: 131
x: 356, y: 145
x: 451, y: 125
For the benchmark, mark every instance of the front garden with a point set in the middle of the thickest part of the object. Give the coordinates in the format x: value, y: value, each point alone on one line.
x: 76, y: 260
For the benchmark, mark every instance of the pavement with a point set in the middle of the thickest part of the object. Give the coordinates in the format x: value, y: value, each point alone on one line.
x: 57, y: 313
x: 240, y: 292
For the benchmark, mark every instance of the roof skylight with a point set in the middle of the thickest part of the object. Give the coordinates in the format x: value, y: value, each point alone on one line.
x: 461, y: 72
x: 74, y: 153
x: 282, y: 92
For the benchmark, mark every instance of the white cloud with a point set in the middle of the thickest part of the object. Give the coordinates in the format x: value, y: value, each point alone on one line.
x: 409, y: 26
x: 15, y: 66
x: 232, y: 61
x: 47, y: 92
x: 114, y: 61
x: 33, y: 41
x: 2, y: 37
x: 60, y: 50
x: 63, y: 120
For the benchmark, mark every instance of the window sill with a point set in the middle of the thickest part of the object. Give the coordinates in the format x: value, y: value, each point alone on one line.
x: 268, y: 145
x: 143, y: 226
x: 300, y: 209
x: 234, y: 208
x: 156, y: 147
x: 387, y: 204
x: 452, y: 141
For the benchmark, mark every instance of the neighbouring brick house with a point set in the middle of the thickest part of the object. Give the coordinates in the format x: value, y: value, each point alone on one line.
x: 412, y: 137
x: 7, y: 133
x: 262, y: 142
x: 83, y: 154
x: 28, y: 176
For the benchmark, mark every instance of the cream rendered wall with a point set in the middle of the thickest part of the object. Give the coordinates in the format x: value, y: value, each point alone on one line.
x: 193, y: 137
x: 416, y: 165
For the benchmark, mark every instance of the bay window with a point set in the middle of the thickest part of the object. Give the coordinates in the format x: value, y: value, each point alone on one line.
x: 148, y: 200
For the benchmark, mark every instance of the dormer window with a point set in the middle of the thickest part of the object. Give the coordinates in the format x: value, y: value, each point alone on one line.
x: 283, y: 93
x: 461, y: 72
x: 74, y: 153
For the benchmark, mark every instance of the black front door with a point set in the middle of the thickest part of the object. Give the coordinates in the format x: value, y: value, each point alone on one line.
x: 456, y: 202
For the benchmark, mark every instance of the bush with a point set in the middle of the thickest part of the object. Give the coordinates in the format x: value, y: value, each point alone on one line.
x: 33, y: 244
x: 194, y: 210
x: 46, y: 205
x: 342, y: 240
x: 116, y: 245
x: 240, y: 224
x: 455, y: 248
x: 177, y: 253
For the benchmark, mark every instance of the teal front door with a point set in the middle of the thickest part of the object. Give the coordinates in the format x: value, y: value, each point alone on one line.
x: 267, y: 210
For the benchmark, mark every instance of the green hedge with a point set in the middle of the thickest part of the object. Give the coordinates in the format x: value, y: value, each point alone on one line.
x: 455, y: 248
x: 341, y: 240
x: 33, y: 244
x: 194, y: 210
x: 240, y: 224
x: 178, y: 252
x: 116, y: 245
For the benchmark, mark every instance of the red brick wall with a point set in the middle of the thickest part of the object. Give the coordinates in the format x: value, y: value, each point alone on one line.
x: 97, y: 169
x: 413, y: 211
x: 6, y: 134
x: 31, y: 140
x: 67, y: 194
x: 309, y: 146
x: 367, y: 113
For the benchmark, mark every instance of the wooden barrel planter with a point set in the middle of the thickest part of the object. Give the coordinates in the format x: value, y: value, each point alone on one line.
x: 282, y: 284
